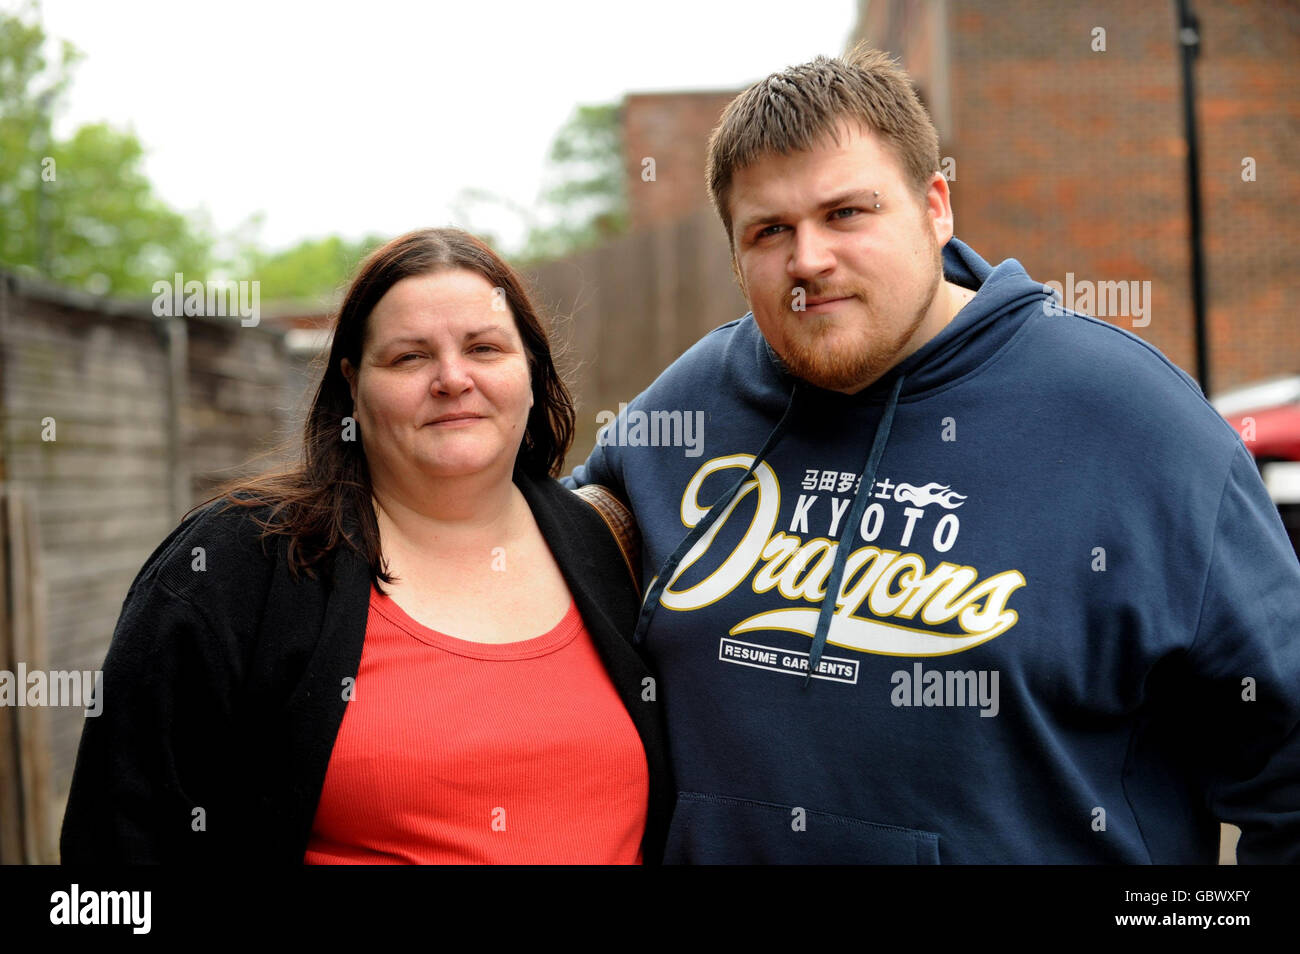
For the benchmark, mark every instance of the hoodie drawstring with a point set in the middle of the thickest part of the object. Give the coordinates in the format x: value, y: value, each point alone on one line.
x: 827, y: 611
x: 867, y: 481
x: 660, y: 582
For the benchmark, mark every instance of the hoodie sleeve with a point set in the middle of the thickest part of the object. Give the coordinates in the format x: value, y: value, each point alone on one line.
x: 146, y: 788
x: 1247, y: 650
x: 603, y: 466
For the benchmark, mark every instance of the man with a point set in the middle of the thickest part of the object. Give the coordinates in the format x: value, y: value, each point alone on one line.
x: 960, y: 576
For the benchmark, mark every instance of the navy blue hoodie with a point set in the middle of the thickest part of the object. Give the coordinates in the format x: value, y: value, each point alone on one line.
x: 1068, y: 617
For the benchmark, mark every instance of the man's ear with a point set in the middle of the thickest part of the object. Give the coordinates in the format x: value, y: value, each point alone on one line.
x: 938, y: 207
x: 735, y: 272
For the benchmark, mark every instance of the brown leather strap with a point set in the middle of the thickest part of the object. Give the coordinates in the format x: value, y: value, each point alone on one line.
x: 621, y: 524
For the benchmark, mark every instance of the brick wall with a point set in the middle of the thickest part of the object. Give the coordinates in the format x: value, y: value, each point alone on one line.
x: 1073, y: 160
x: 673, y: 129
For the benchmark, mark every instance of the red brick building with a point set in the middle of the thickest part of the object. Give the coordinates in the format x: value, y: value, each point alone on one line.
x: 1061, y: 127
x: 673, y: 130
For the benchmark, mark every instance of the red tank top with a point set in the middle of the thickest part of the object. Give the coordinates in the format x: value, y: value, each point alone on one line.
x: 453, y: 751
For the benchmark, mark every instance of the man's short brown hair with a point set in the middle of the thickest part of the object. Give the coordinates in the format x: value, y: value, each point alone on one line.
x: 797, y: 108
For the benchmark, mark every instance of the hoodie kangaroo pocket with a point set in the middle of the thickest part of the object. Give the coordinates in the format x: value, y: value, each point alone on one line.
x: 718, y: 830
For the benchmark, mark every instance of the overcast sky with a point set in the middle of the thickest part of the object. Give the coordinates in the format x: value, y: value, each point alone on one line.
x: 371, y: 116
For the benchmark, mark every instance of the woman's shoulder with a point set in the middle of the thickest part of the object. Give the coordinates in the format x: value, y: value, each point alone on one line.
x: 586, y: 527
x: 218, y: 548
x: 557, y: 508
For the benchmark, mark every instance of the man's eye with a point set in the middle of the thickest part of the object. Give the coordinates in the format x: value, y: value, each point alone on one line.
x: 848, y: 209
x: 769, y: 230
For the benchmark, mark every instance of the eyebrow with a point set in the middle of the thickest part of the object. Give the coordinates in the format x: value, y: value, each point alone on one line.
x: 852, y: 197
x: 420, y: 340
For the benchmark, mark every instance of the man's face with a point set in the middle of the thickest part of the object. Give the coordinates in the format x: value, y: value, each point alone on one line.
x: 868, y: 276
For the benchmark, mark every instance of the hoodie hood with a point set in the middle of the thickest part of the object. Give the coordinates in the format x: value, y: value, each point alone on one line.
x: 962, y: 347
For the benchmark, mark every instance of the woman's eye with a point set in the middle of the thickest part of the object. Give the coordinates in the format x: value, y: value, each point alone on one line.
x: 484, y: 348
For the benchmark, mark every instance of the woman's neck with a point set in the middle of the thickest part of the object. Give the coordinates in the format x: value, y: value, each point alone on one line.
x: 450, y: 516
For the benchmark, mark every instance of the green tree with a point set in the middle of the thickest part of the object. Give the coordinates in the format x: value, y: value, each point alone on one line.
x: 312, y: 269
x: 586, y: 202
x: 80, y: 211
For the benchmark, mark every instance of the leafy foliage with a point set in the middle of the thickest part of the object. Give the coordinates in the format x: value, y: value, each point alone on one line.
x: 588, y: 199
x: 312, y: 269
x: 80, y: 211
x: 585, y: 201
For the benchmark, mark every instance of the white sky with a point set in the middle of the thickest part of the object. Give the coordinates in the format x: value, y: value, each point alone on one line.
x: 370, y: 116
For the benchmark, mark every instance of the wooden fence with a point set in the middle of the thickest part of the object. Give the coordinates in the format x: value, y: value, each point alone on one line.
x: 625, y: 310
x: 113, y: 423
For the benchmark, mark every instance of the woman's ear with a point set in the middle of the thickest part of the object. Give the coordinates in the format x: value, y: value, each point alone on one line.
x: 350, y: 373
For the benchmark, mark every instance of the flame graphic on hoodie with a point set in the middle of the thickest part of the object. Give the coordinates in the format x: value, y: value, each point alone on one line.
x: 941, y: 494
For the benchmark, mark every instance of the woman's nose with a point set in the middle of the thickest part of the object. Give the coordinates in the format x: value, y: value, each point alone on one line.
x: 451, y: 376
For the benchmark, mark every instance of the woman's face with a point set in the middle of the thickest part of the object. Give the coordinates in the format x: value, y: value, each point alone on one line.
x: 443, y: 389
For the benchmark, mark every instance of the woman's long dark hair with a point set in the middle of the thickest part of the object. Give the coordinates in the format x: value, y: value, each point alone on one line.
x: 314, y: 503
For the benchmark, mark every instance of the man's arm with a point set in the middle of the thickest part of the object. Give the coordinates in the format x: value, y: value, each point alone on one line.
x: 1248, y: 650
x: 603, y: 466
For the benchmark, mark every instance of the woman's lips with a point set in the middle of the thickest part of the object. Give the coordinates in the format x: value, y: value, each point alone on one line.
x: 458, y: 421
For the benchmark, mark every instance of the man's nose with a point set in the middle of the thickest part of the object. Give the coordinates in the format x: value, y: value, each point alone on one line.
x: 812, y: 254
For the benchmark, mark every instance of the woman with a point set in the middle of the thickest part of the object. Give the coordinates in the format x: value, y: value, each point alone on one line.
x: 409, y: 649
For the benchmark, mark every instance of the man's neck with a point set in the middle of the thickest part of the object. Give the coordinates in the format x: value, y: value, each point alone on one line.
x: 958, y: 298
x: 949, y: 299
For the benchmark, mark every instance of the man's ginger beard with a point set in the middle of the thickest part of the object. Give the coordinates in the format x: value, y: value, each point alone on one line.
x: 807, y: 356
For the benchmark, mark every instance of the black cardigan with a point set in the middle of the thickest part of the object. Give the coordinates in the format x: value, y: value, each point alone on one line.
x: 223, y: 689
